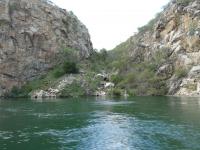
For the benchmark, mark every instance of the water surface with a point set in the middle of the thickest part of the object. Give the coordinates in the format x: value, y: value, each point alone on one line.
x: 138, y: 123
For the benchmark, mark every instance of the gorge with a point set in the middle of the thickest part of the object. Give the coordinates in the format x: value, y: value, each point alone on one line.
x: 47, y: 51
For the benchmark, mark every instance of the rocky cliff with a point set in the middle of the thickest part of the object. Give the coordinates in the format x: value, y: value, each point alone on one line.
x: 170, y: 46
x: 33, y: 34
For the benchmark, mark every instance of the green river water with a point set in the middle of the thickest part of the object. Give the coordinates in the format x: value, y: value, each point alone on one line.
x: 138, y: 123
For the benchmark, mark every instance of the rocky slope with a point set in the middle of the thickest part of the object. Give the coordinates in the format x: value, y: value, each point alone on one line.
x: 170, y: 43
x: 33, y: 35
x: 163, y: 58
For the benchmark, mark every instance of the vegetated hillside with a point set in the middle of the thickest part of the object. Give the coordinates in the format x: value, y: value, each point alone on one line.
x: 164, y: 56
x: 46, y: 52
x: 37, y: 37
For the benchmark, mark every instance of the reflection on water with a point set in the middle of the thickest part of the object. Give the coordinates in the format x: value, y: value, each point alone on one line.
x: 100, y: 124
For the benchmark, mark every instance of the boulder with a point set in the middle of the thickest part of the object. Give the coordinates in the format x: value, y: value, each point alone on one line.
x: 195, y: 71
x: 109, y: 85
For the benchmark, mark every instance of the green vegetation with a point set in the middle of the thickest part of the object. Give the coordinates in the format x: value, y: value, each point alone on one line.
x: 143, y: 81
x: 92, y: 82
x: 184, y: 2
x: 73, y: 90
x: 130, y: 68
x: 192, y: 87
x: 90, y: 67
x: 41, y: 83
x: 70, y: 67
x: 138, y: 77
x: 3, y: 22
x: 193, y: 26
x: 97, y: 61
x: 13, y: 6
x: 116, y: 92
x: 116, y: 79
x: 66, y: 68
x: 18, y: 92
x: 45, y: 81
x: 181, y: 72
x: 140, y: 80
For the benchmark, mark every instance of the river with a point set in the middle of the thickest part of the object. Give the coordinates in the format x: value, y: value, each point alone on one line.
x: 138, y: 123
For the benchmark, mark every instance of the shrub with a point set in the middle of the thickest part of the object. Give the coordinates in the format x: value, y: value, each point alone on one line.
x: 66, y: 68
x: 116, y: 79
x: 73, y: 90
x: 116, y: 92
x: 181, y: 72
x: 184, y: 2
x: 14, y: 92
x: 98, y: 60
x: 142, y: 79
x: 70, y: 67
x: 58, y: 72
x: 69, y: 54
x: 160, y: 56
x: 19, y: 92
x: 131, y: 92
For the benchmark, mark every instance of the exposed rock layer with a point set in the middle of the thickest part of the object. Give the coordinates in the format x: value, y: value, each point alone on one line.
x: 33, y: 34
x: 176, y: 33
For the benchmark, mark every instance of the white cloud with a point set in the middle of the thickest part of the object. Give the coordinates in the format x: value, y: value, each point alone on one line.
x: 111, y: 22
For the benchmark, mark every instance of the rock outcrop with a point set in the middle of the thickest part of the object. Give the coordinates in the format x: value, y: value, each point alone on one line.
x: 102, y: 87
x: 175, y: 32
x: 33, y: 34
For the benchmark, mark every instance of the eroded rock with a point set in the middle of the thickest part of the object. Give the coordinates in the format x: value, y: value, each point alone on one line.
x: 33, y: 35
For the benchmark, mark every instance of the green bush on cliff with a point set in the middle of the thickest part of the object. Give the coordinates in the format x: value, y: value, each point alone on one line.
x: 140, y: 78
x: 58, y: 72
x: 70, y: 54
x: 181, y: 72
x: 98, y: 60
x: 116, y: 92
x: 116, y: 79
x: 184, y: 2
x: 160, y: 56
x: 66, y: 68
x: 70, y: 67
x: 19, y: 92
x: 74, y: 90
x: 44, y: 81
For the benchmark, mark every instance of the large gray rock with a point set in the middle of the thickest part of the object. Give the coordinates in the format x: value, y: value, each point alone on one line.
x: 166, y: 71
x: 33, y: 34
x: 195, y: 71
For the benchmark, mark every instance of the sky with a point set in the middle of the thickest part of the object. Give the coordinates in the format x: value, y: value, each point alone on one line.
x: 111, y: 22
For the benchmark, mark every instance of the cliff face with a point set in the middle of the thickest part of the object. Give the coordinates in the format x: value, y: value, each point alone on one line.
x: 182, y: 35
x: 175, y: 35
x: 33, y: 34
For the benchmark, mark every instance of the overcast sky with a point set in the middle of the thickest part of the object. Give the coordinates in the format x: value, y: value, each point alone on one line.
x: 111, y: 22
